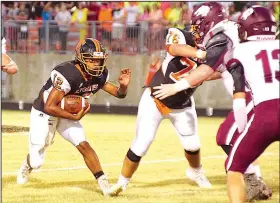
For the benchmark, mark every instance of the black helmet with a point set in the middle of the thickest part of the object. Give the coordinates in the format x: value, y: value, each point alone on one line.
x: 91, y: 49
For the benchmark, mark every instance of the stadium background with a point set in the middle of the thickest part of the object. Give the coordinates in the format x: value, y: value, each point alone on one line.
x: 41, y: 35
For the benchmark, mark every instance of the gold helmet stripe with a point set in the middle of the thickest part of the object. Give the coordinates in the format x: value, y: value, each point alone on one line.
x: 97, y: 45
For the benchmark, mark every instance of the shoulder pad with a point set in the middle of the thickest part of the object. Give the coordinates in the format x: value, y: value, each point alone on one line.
x: 217, y: 40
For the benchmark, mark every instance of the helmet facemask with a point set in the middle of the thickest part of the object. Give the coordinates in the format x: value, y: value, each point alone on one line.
x: 87, y: 60
x: 195, y: 32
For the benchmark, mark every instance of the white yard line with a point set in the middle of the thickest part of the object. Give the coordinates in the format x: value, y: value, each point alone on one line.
x: 120, y: 164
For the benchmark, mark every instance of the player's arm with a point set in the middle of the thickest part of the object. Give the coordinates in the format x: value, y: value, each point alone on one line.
x: 185, y: 51
x: 216, y: 49
x: 215, y: 76
x: 121, y: 91
x: 60, y: 87
x: 235, y: 68
x: 8, y: 65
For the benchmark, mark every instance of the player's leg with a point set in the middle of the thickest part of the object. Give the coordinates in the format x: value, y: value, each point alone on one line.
x: 41, y: 135
x: 74, y: 133
x: 185, y: 124
x: 148, y: 120
x: 257, y: 136
x: 226, y: 136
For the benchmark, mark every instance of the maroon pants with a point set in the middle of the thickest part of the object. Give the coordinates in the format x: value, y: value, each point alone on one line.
x: 228, y: 133
x: 263, y: 129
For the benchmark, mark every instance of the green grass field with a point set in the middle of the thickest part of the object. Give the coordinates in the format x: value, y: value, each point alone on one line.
x: 64, y: 177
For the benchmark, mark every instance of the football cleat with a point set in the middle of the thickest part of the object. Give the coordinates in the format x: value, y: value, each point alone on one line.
x: 256, y: 189
x: 23, y: 173
x: 197, y: 176
x: 116, y: 189
x: 103, y: 184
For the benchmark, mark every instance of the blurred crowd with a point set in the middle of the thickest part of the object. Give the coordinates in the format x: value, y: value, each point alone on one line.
x: 117, y: 20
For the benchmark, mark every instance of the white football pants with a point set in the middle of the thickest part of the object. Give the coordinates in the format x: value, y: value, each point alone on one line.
x: 42, y: 133
x: 149, y: 118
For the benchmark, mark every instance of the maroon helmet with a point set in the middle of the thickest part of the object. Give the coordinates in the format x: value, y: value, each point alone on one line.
x: 204, y: 17
x: 257, y: 23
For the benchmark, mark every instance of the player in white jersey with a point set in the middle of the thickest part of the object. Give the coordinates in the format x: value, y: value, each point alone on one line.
x: 7, y: 65
x: 255, y: 62
x: 217, y: 35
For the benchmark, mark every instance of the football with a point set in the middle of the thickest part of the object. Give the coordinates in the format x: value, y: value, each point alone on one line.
x: 73, y: 103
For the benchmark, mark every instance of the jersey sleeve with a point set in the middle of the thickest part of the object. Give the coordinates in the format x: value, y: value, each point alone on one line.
x: 59, y: 82
x: 4, y: 51
x: 216, y: 49
x: 108, y: 77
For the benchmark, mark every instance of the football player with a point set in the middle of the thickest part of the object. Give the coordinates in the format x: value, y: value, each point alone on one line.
x: 210, y: 27
x: 84, y: 76
x: 179, y: 109
x: 259, y: 67
x: 8, y: 65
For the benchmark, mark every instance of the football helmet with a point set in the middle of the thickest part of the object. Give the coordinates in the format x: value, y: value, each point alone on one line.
x: 204, y: 17
x: 257, y: 23
x: 91, y: 49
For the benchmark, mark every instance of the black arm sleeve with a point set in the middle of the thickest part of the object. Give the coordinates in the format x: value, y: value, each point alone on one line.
x: 216, y: 48
x: 236, y: 69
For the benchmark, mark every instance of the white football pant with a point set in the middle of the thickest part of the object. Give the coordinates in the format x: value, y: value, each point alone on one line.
x: 42, y: 133
x: 149, y: 118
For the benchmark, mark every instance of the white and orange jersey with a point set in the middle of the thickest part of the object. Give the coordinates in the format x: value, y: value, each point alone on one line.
x: 260, y: 61
x: 3, y: 46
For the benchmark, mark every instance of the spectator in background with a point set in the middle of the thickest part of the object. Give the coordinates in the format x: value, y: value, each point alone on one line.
x: 22, y: 15
x: 46, y: 17
x: 156, y: 17
x: 145, y: 15
x: 11, y: 31
x: 184, y: 22
x: 156, y: 36
x: 175, y: 14
x: 36, y: 11
x: 119, y: 16
x: 132, y: 30
x: 63, y: 18
x: 143, y: 18
x: 105, y: 18
x: 79, y: 18
x: 166, y: 8
x: 93, y: 11
x: 4, y: 10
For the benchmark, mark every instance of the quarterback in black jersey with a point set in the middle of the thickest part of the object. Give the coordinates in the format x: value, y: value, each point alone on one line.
x: 83, y: 76
x: 179, y: 109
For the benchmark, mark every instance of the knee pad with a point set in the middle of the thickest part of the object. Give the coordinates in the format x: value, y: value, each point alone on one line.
x: 192, y: 153
x: 191, y: 143
x: 133, y: 157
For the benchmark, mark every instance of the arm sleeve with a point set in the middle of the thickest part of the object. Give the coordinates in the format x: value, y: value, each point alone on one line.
x: 216, y: 49
x: 235, y: 68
